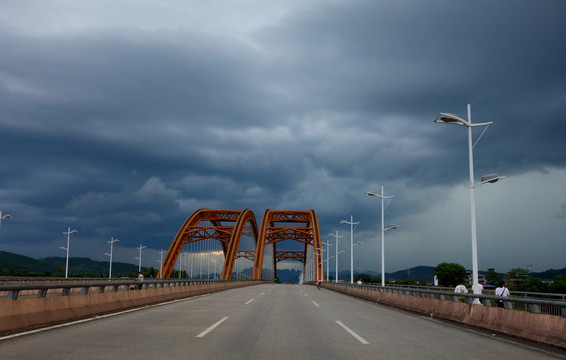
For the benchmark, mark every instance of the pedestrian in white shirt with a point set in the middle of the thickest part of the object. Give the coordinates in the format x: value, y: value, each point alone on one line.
x: 501, y: 291
x: 461, y: 289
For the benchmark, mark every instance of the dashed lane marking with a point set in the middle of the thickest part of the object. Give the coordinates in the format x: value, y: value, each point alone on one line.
x: 358, y: 337
x: 203, y: 334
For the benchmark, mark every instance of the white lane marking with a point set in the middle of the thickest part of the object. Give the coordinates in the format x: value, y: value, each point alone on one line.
x: 306, y: 294
x: 262, y: 293
x: 360, y: 339
x: 249, y: 301
x: 316, y: 304
x: 202, y: 334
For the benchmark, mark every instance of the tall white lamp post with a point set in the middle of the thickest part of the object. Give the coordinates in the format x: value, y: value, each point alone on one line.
x: 383, y: 228
x: 453, y: 119
x: 68, y: 235
x: 111, y: 243
x: 161, y: 264
x: 327, y: 257
x: 139, y: 259
x: 337, y: 237
x: 351, y: 223
x: 321, y: 275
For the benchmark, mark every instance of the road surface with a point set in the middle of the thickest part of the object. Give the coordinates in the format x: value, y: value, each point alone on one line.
x: 268, y: 321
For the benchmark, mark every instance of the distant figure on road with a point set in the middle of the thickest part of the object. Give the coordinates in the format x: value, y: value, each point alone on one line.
x: 501, y: 291
x: 360, y: 282
x: 461, y: 289
x: 140, y: 277
x: 318, y: 284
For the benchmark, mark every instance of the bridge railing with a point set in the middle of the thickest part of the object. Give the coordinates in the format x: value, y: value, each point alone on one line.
x: 14, y: 289
x: 538, y: 306
x: 524, y: 294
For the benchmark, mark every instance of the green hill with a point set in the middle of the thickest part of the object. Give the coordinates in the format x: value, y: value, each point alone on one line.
x: 14, y: 264
x: 19, y: 263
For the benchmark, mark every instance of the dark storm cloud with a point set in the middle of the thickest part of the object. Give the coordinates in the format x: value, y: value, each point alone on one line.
x: 128, y: 128
x: 415, y: 61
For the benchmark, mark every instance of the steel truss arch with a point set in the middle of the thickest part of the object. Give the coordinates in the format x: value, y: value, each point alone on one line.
x: 228, y: 226
x: 279, y: 225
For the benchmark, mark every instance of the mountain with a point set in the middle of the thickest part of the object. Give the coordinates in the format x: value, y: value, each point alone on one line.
x: 14, y: 263
x: 549, y: 274
x: 80, y: 265
x: 20, y: 265
x: 418, y: 273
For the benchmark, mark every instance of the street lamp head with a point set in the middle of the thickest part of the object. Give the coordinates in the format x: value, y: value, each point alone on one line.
x: 74, y: 231
x: 7, y: 216
x: 344, y: 222
x: 391, y: 227
x: 491, y: 178
x: 451, y: 119
x: 371, y: 193
x: 445, y: 118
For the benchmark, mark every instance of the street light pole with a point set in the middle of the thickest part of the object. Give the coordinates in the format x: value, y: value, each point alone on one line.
x: 321, y: 263
x: 68, y: 235
x: 475, y: 277
x: 351, y: 223
x: 337, y: 237
x: 446, y: 118
x: 111, y: 243
x: 139, y: 263
x: 161, y: 264
x: 327, y: 258
x: 383, y: 228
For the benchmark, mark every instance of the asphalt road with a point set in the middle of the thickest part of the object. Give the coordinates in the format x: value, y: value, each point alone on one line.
x: 267, y: 322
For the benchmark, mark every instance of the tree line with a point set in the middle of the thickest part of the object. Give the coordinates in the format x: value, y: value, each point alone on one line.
x: 452, y: 274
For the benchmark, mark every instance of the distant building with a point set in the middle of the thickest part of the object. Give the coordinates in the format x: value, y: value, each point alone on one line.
x: 481, y: 278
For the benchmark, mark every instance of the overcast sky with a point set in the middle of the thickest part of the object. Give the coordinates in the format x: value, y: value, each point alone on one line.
x: 121, y: 118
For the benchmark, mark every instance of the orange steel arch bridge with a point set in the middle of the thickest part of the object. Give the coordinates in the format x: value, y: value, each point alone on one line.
x: 225, y: 238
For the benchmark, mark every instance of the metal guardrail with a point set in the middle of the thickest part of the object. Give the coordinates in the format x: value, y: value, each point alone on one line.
x: 537, y: 306
x: 525, y: 294
x: 14, y: 289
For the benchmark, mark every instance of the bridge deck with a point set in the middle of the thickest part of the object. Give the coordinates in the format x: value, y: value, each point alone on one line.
x: 268, y: 322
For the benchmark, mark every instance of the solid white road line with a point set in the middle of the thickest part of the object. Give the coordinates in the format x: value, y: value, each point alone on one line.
x: 316, y: 304
x: 249, y: 301
x: 262, y: 293
x: 202, y: 334
x: 360, y: 339
x: 306, y: 294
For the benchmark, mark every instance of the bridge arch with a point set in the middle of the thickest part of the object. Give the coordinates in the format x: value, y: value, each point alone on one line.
x: 225, y: 226
x: 281, y: 225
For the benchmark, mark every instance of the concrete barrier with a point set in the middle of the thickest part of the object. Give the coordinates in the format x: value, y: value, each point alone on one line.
x: 540, y: 328
x: 34, y: 312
